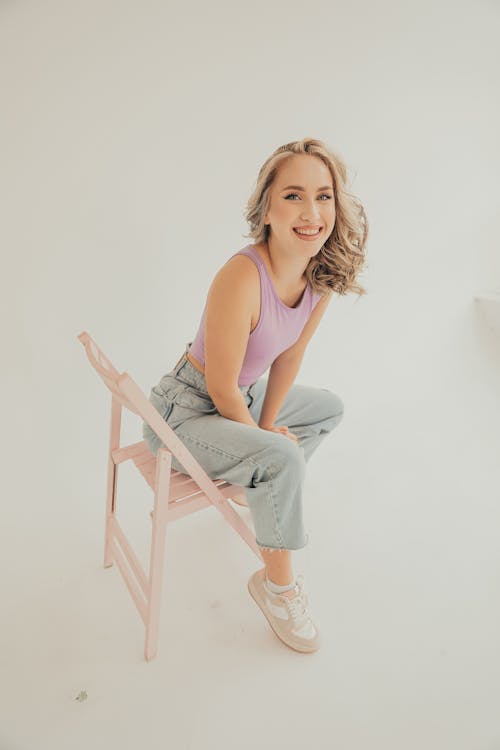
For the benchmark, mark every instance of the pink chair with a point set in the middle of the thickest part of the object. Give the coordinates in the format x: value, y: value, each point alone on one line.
x: 175, y: 494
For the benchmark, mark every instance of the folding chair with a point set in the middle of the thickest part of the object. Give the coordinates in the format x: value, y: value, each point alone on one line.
x: 175, y: 494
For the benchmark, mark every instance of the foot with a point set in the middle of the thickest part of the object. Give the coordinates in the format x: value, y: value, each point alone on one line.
x: 239, y: 499
x: 286, y: 613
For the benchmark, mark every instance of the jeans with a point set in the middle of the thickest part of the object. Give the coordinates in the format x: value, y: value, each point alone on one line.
x: 270, y: 465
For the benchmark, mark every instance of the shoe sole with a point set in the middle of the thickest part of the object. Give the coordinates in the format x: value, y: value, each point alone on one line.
x: 237, y: 502
x: 255, y: 596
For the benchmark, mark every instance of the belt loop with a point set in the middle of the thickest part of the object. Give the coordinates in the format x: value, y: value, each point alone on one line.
x: 179, y: 361
x: 183, y: 355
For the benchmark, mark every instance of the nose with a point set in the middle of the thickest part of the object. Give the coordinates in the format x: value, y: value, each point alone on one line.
x: 311, y: 213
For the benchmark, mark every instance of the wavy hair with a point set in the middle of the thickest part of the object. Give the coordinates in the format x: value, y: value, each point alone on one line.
x: 336, y: 266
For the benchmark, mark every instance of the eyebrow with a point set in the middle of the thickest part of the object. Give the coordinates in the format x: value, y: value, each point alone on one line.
x: 299, y: 187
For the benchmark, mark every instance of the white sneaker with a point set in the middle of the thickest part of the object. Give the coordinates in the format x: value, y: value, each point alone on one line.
x: 287, y: 615
x: 240, y: 499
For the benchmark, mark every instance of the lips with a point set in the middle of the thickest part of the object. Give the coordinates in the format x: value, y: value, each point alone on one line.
x: 309, y: 233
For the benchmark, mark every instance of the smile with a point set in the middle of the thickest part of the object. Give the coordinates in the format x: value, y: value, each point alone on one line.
x: 307, y: 232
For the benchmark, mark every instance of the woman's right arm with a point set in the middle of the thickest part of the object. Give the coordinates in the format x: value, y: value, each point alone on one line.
x: 228, y: 319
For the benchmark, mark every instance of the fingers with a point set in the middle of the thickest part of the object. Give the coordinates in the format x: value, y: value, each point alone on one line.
x: 286, y: 431
x: 283, y: 429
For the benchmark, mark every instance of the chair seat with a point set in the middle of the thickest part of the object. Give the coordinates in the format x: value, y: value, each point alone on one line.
x: 182, y: 487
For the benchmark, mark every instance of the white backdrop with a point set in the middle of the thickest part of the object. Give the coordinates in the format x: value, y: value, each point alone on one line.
x: 131, y: 137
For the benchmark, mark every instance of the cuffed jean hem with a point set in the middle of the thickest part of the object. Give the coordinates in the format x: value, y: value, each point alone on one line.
x: 267, y: 548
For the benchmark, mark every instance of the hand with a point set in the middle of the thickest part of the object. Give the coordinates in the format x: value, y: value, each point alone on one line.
x: 283, y: 429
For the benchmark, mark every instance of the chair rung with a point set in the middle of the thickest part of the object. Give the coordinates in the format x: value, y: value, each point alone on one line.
x: 117, y: 532
x: 198, y: 500
x: 130, y: 582
x: 134, y: 451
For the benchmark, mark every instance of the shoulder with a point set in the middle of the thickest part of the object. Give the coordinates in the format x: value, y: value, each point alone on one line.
x: 232, y: 299
x: 239, y: 272
x: 239, y: 264
x: 236, y: 285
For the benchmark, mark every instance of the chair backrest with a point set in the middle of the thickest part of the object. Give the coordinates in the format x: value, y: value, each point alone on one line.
x: 106, y: 371
x: 125, y: 390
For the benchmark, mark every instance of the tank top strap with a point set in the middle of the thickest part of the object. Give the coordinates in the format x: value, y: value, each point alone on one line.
x: 250, y: 251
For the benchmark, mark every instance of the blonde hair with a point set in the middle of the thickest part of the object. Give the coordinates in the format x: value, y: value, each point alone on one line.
x: 337, y: 264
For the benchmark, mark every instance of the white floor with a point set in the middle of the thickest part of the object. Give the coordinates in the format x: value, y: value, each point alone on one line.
x: 402, y: 570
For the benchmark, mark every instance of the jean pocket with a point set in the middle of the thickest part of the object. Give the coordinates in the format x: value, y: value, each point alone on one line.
x: 162, y: 405
x: 164, y: 409
x: 191, y: 398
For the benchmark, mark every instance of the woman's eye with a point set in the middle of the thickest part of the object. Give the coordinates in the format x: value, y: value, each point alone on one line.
x: 323, y: 195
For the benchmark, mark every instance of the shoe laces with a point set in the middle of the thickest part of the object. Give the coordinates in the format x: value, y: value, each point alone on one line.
x: 297, y: 605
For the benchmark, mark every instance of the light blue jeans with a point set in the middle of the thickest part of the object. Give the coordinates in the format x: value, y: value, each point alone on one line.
x: 270, y: 465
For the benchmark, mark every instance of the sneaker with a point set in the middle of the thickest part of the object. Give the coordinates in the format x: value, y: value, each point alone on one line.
x: 239, y: 499
x: 287, y: 615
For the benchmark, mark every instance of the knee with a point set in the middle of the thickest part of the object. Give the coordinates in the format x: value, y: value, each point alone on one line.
x: 333, y: 405
x: 287, y: 453
x: 283, y: 455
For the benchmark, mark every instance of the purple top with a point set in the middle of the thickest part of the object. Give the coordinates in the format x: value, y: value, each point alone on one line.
x: 279, y: 326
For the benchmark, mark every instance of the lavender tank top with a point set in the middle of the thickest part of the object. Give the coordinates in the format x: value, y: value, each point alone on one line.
x: 279, y: 326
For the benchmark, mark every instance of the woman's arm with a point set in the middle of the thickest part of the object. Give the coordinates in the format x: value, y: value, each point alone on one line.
x: 284, y: 369
x: 282, y: 373
x: 228, y: 320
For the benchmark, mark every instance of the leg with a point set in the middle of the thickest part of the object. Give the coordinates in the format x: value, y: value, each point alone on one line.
x: 278, y: 565
x: 269, y: 465
x: 309, y: 412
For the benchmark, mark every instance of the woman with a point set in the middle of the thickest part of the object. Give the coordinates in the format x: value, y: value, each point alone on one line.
x: 262, y: 308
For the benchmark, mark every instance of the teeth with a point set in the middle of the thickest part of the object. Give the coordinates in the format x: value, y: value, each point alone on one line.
x: 307, y: 231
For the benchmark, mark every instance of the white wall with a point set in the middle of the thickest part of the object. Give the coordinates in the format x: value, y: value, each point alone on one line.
x: 131, y: 136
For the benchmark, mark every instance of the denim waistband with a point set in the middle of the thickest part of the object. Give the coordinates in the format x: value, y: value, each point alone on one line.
x: 187, y: 373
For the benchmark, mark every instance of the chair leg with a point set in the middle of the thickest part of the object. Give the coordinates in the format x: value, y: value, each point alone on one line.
x: 114, y: 442
x: 156, y: 564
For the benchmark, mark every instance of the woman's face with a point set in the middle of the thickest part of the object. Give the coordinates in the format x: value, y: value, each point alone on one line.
x: 302, y: 197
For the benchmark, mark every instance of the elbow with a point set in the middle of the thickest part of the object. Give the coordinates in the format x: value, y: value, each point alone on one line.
x: 219, y: 393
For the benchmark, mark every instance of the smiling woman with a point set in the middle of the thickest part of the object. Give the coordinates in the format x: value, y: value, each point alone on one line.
x: 262, y: 308
x: 319, y: 199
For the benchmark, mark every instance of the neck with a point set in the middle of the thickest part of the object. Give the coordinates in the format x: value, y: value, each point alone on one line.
x: 286, y: 266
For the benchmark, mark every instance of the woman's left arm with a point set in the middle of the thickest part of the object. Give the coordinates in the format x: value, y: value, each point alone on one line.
x: 285, y: 367
x: 282, y: 373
